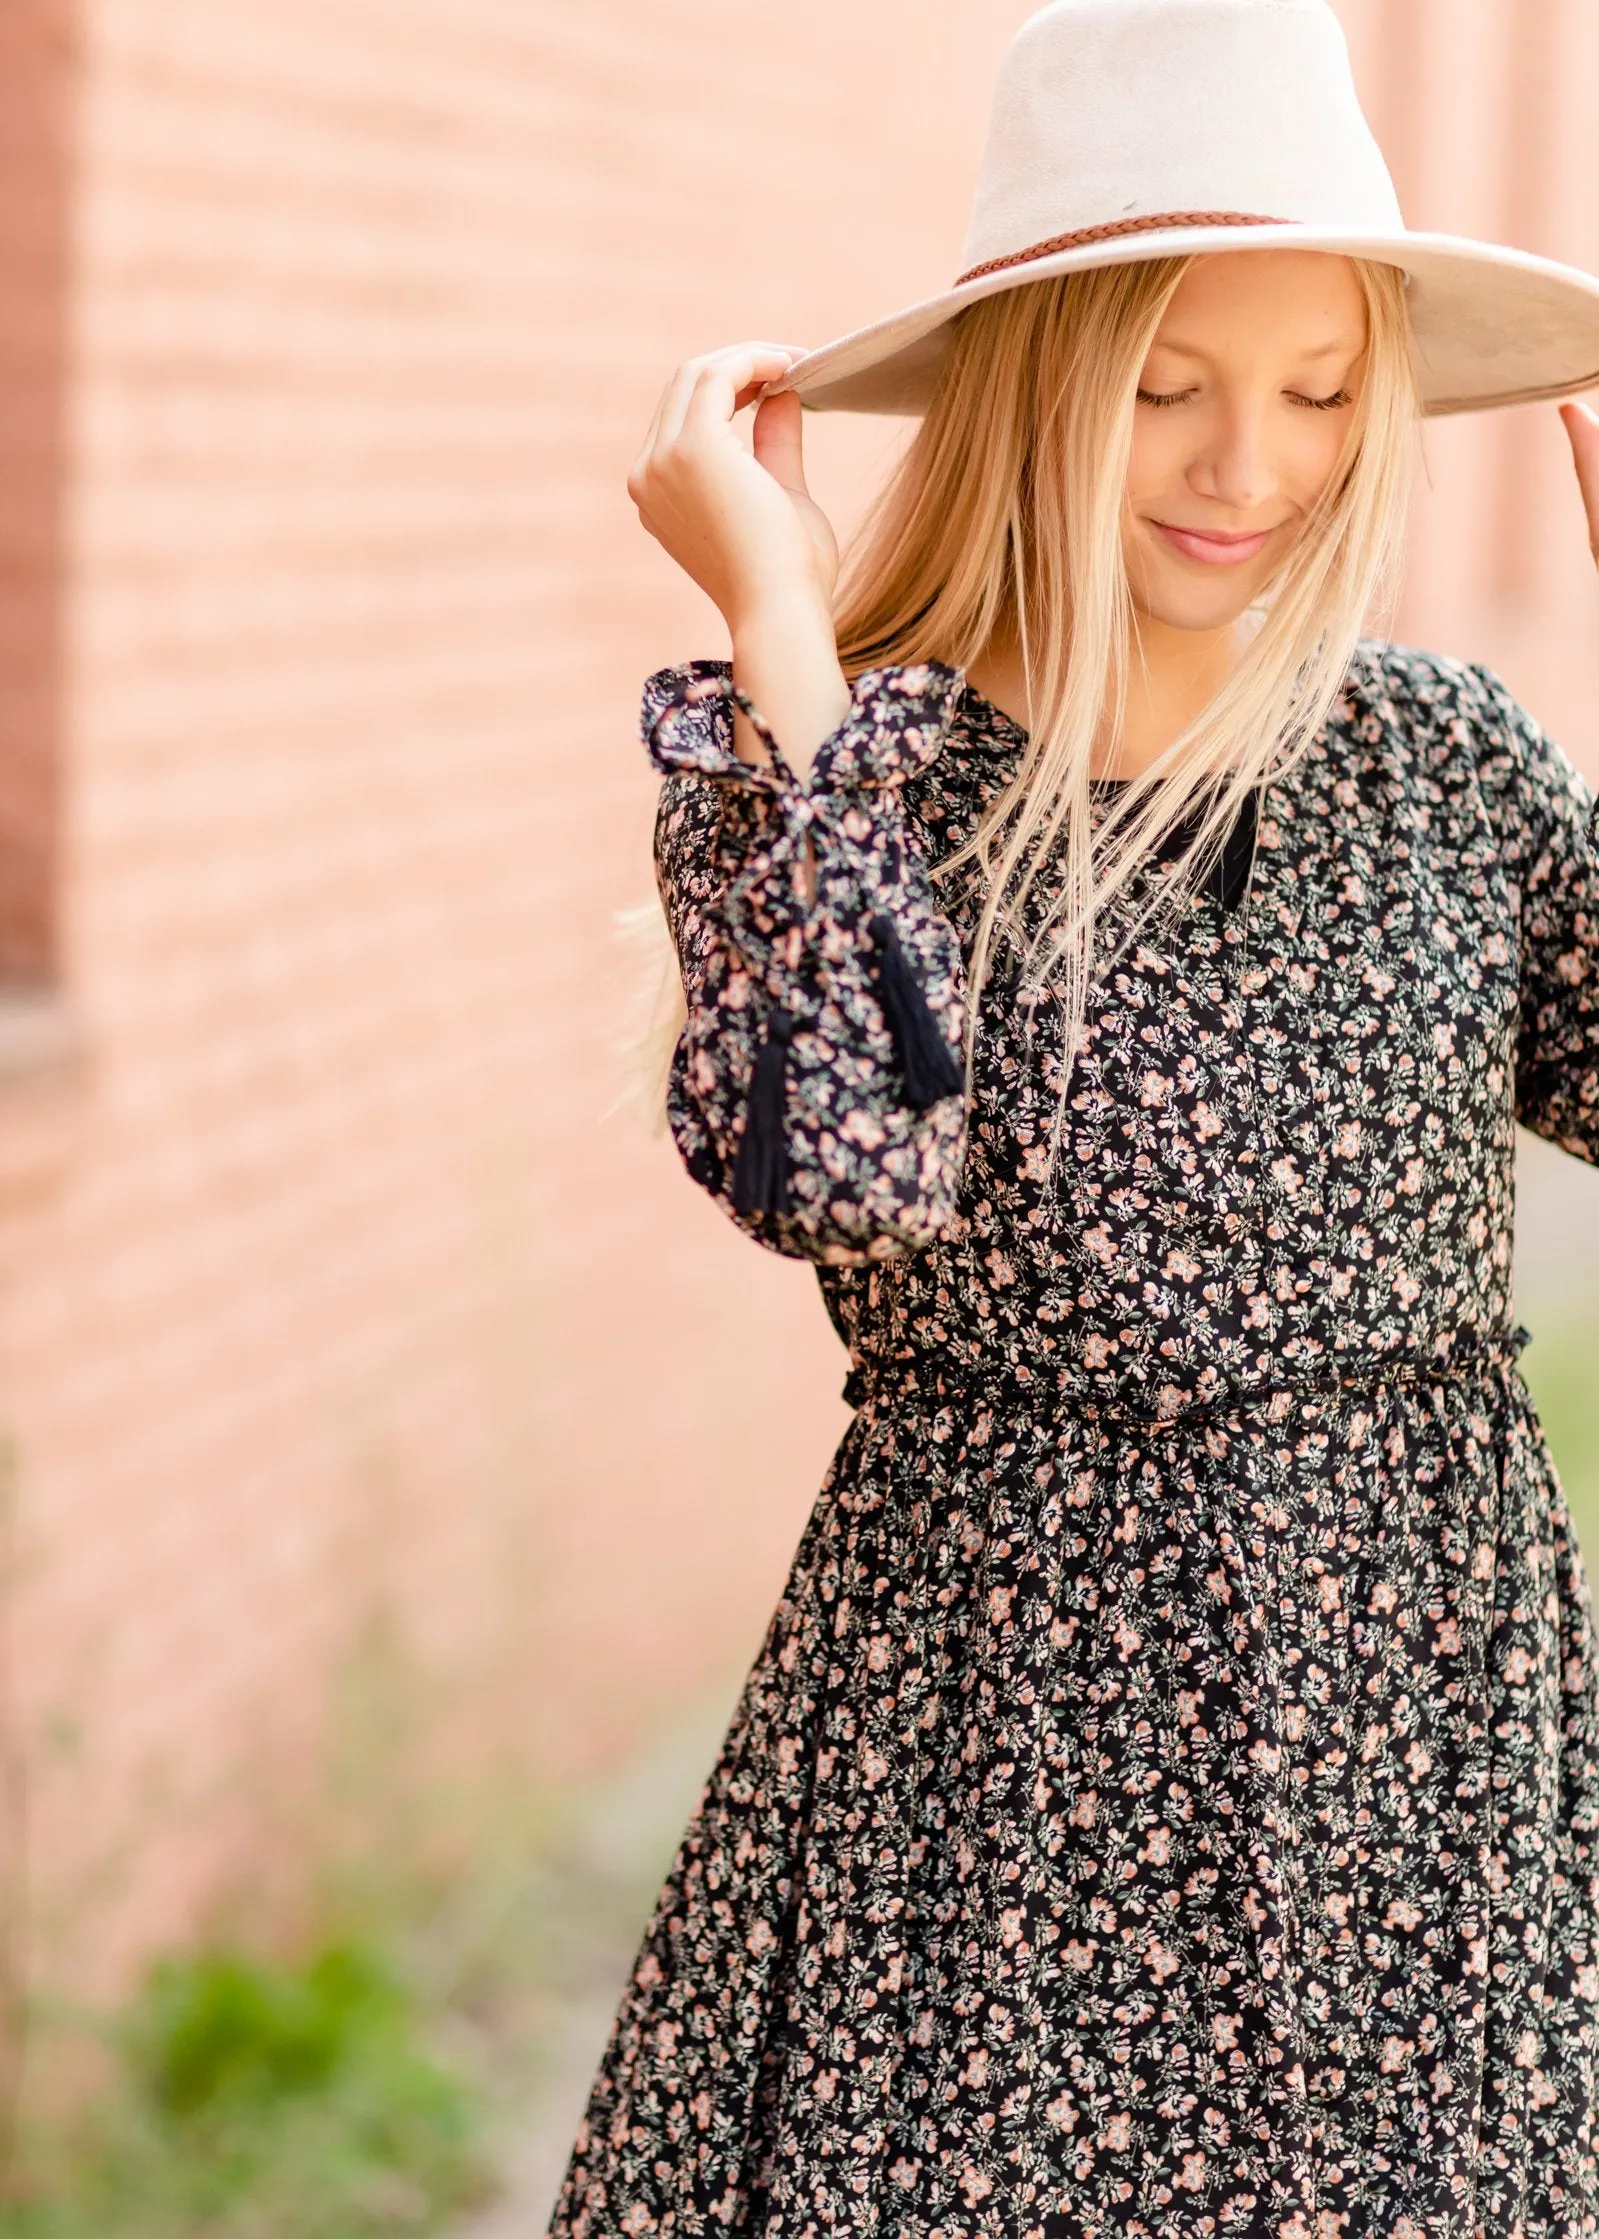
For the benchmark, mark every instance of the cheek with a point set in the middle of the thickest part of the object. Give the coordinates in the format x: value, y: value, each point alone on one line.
x: 1158, y: 457
x: 1315, y: 456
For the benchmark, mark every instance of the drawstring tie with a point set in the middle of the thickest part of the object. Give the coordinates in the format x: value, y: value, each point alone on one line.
x: 760, y: 1177
x: 932, y: 1070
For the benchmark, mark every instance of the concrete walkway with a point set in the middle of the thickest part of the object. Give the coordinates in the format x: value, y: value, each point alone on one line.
x: 610, y: 1866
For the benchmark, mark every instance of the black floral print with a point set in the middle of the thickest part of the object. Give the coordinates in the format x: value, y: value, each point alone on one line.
x: 1166, y: 1801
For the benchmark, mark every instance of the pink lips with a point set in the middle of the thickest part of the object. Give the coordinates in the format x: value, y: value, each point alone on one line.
x: 1215, y: 550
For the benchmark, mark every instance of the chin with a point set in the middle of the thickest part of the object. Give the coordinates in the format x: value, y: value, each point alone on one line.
x: 1201, y: 615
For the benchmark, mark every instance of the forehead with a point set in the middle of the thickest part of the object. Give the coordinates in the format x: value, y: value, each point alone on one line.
x: 1299, y: 299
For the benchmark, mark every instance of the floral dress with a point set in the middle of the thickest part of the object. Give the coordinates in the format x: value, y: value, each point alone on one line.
x: 1166, y: 1800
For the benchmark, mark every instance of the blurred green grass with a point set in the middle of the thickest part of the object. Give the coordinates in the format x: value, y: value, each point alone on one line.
x: 1563, y: 1377
x: 419, y: 2070
x: 258, y: 2100
x: 1557, y: 1297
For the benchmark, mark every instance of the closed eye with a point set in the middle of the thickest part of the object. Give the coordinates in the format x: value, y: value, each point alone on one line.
x: 1333, y: 403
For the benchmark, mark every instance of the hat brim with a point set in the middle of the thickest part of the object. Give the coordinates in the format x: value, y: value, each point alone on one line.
x: 1492, y: 326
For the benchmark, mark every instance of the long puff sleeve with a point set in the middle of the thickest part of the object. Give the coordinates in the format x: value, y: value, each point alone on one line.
x: 1548, y: 819
x: 815, y: 1092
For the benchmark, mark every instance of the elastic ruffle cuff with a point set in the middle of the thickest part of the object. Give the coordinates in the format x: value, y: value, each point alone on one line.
x: 898, y: 721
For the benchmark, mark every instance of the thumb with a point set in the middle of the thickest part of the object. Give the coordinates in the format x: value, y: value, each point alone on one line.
x: 780, y: 441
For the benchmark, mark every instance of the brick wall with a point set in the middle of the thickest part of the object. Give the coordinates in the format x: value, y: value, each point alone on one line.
x: 35, y: 169
x: 334, y: 1310
x: 1487, y: 110
x: 337, y: 1293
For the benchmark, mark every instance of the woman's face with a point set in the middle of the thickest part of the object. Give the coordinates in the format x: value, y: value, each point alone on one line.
x: 1243, y: 412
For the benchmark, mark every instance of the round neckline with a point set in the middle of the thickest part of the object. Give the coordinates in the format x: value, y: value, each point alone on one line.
x: 1238, y: 907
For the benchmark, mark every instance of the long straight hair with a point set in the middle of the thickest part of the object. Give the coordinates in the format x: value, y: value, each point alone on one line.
x: 1004, y: 521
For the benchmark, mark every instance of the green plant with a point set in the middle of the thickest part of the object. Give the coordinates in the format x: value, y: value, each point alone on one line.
x: 1560, y: 1374
x: 260, y: 2101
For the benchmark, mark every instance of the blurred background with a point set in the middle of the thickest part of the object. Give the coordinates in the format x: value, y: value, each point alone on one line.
x: 398, y: 1459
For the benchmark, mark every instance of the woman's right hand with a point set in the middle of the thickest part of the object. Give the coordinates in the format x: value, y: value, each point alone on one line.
x: 743, y: 526
x: 747, y: 530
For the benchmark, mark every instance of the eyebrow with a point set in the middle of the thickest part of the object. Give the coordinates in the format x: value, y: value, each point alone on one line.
x: 1343, y: 348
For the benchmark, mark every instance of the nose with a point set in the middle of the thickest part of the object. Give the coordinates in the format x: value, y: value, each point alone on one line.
x: 1235, y: 468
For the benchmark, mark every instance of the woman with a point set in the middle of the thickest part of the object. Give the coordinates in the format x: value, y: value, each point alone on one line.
x: 1167, y: 1799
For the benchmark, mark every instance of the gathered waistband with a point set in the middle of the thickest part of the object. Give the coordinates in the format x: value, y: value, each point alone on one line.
x: 935, y: 1379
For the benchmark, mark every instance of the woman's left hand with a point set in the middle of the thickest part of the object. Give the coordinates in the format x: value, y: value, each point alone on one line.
x: 1582, y: 425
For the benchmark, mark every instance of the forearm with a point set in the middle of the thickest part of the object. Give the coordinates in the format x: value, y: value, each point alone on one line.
x: 785, y: 656
x: 816, y: 1090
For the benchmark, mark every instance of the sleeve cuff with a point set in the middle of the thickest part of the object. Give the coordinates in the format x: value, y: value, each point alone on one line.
x: 897, y: 723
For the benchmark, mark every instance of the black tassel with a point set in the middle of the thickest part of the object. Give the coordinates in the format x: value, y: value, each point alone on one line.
x: 760, y: 1176
x: 931, y: 1068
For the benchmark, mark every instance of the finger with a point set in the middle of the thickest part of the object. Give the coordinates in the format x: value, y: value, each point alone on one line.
x: 637, y: 476
x: 675, y: 403
x: 748, y: 365
x: 646, y: 450
x: 654, y: 428
x: 674, y: 397
x: 729, y: 375
x: 792, y: 352
x: 755, y: 390
x: 763, y: 362
x: 1582, y: 427
x: 780, y: 440
x: 651, y: 433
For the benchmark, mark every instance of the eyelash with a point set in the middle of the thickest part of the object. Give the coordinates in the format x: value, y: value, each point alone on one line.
x: 1310, y: 403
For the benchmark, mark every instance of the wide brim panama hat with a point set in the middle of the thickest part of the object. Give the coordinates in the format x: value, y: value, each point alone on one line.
x: 1124, y: 130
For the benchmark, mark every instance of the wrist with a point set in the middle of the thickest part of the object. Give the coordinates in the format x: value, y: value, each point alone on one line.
x: 785, y: 656
x: 788, y: 604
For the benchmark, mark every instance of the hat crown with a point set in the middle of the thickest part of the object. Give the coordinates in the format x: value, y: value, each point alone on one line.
x: 1111, y: 112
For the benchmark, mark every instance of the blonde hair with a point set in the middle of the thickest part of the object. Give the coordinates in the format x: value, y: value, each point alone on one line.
x: 1004, y: 521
